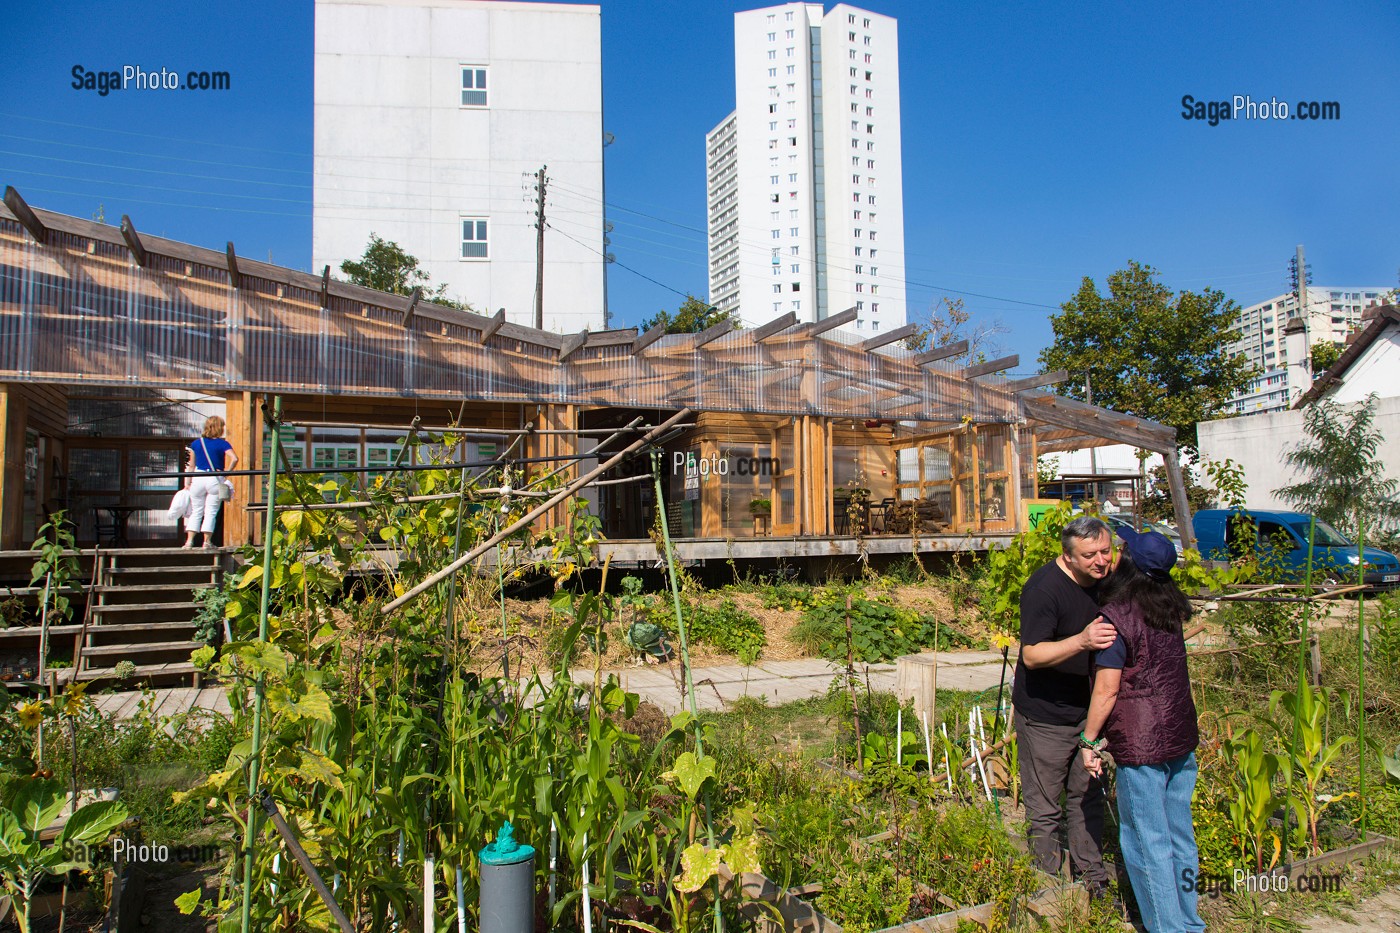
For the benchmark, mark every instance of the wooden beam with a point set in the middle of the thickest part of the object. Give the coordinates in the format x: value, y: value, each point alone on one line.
x: 412, y: 304
x: 571, y: 344
x: 941, y: 353
x: 833, y: 322
x: 992, y: 366
x: 325, y: 282
x: 713, y: 332
x: 1181, y: 506
x: 1036, y: 382
x: 1099, y: 422
x: 133, y: 242
x: 234, y: 278
x: 649, y: 338
x: 25, y: 215
x: 498, y: 321
x: 899, y: 333
x: 774, y: 327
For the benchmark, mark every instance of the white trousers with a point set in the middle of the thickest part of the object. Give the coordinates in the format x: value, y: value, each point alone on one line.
x: 204, y: 504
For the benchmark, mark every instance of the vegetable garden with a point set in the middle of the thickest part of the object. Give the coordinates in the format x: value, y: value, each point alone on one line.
x: 386, y: 718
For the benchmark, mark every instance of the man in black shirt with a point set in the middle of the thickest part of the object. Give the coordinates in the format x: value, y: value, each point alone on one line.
x: 1060, y: 627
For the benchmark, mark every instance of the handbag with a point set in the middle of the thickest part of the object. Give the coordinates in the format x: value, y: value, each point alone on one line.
x: 224, y: 487
x: 179, y: 505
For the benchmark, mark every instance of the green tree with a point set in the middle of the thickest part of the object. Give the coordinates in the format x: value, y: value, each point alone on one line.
x: 388, y: 267
x: 1323, y: 355
x: 1149, y: 352
x: 691, y: 317
x: 1343, y: 476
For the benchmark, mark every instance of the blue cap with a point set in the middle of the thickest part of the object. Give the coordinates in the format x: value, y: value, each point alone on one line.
x: 505, y: 850
x: 1152, y: 552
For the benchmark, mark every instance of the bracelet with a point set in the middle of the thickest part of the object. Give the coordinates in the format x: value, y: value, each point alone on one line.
x: 1092, y: 746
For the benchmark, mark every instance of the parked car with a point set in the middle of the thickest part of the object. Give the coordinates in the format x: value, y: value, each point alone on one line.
x: 1125, y: 521
x: 1282, y: 538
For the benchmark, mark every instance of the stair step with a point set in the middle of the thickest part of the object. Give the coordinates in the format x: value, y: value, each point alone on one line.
x: 151, y: 587
x: 165, y: 669
x: 126, y: 648
x: 22, y: 632
x: 112, y: 627
x: 143, y: 607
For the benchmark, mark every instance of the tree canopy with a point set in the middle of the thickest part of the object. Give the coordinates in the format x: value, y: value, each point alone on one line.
x: 1148, y: 351
x: 691, y: 317
x: 388, y: 267
x: 948, y: 321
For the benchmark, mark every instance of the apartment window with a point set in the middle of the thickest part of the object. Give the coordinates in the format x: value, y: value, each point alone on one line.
x: 869, y: 127
x: 797, y: 305
x: 853, y: 108
x: 776, y: 234
x: 872, y: 217
x: 873, y: 252
x: 856, y: 197
x: 865, y: 23
x: 777, y: 307
x: 772, y: 125
x: 875, y: 308
x: 852, y: 36
x: 867, y: 42
x: 772, y: 108
x: 792, y: 123
x: 772, y: 72
x: 797, y: 286
x: 855, y: 125
x: 855, y: 214
x: 870, y: 111
x: 773, y: 179
x: 855, y: 160
x: 860, y: 324
x: 772, y: 54
x: 792, y: 140
x: 792, y: 231
x: 855, y: 144
x: 474, y: 241
x: 860, y: 286
x: 853, y: 58
x: 872, y: 234
x: 788, y: 16
x: 867, y: 58
x: 789, y: 52
x: 870, y: 164
x: 857, y: 235
x: 853, y: 89
x: 874, y: 289
x: 791, y: 69
x: 870, y: 146
x: 874, y: 325
x: 792, y: 214
x: 795, y: 268
x: 872, y: 198
x: 869, y: 94
x: 789, y: 33
x: 777, y: 270
x: 857, y: 269
x: 857, y: 250
x: 874, y: 271
x: 772, y: 37
x: 794, y: 249
x: 774, y: 215
x: 850, y: 17
x: 855, y: 179
x: 860, y: 306
x: 473, y: 86
x: 770, y: 17
x: 792, y: 177
x: 777, y: 288
x: 792, y: 195
x: 772, y: 144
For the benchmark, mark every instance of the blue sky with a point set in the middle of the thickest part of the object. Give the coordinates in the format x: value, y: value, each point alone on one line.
x: 1042, y: 142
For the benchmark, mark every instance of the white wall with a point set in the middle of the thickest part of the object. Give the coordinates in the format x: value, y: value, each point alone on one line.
x: 1374, y: 371
x: 397, y: 154
x: 1259, y: 443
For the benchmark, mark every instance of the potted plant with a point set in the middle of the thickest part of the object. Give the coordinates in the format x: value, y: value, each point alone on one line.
x: 761, y: 507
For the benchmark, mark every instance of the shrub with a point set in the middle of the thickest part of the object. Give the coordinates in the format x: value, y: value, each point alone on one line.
x: 878, y: 631
x: 727, y: 628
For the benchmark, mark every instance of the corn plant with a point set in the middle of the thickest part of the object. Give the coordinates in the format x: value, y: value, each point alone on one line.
x: 1255, y: 799
x: 1310, y: 757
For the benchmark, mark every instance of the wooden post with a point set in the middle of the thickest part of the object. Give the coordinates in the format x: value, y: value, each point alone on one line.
x: 971, y: 438
x: 916, y: 678
x: 241, y: 418
x: 13, y: 417
x: 1180, y: 506
x: 1013, y: 461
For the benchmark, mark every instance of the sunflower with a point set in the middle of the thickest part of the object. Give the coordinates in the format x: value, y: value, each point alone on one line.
x: 74, y: 699
x: 31, y: 714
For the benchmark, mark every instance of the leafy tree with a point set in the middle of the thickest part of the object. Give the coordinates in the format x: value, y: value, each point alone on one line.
x: 1149, y: 352
x: 1323, y: 355
x: 388, y: 267
x: 947, y: 321
x: 691, y: 317
x: 1344, y: 477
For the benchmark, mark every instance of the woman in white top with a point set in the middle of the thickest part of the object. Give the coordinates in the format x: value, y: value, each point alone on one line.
x: 209, y: 454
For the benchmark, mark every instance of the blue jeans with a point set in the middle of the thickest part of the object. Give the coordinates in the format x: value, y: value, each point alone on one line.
x: 1159, y: 842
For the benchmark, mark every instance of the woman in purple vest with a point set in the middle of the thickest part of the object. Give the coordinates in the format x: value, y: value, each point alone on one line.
x: 1141, y: 711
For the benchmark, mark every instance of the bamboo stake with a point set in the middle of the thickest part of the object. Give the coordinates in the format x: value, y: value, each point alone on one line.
x: 539, y: 510
x: 1361, y: 666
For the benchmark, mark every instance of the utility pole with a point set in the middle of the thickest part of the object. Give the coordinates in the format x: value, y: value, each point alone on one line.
x: 541, y: 182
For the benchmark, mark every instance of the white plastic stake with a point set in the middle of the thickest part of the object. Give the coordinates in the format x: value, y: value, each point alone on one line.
x: 461, y: 905
x: 587, y: 899
x: 899, y: 737
x: 977, y: 755
x: 947, y: 765
x: 553, y: 863
x: 276, y: 869
x: 429, y: 920
x: 928, y: 743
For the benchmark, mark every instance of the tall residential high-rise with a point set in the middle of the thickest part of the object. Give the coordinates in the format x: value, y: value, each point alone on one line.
x: 432, y: 118
x: 1258, y: 335
x: 804, y: 178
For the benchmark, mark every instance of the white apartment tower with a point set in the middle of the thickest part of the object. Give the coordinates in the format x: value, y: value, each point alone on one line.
x: 804, y: 178
x: 1258, y: 336
x: 431, y: 119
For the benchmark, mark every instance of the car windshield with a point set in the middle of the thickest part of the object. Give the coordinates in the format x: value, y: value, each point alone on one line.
x: 1324, y: 535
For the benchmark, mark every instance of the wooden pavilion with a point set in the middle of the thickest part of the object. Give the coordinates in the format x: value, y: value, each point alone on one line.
x: 114, y: 343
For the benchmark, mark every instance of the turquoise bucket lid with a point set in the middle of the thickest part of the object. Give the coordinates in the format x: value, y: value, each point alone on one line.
x: 505, y: 850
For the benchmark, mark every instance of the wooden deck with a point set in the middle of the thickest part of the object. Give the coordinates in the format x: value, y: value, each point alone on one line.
x: 166, y: 702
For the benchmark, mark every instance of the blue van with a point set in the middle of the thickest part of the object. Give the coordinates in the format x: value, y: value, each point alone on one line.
x: 1283, y: 536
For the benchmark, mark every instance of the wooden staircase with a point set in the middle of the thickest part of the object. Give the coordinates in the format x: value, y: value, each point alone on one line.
x: 142, y: 609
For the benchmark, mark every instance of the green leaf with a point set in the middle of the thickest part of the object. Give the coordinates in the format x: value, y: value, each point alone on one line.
x: 250, y: 576
x: 38, y: 803
x: 698, y: 865
x: 188, y: 902
x: 264, y: 658
x: 690, y: 773
x: 92, y: 824
x: 742, y: 854
x: 312, y: 703
x: 318, y: 769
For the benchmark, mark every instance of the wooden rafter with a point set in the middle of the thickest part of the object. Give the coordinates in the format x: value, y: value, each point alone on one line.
x: 833, y: 322
x: 774, y: 327
x: 649, y: 338
x: 498, y: 320
x: 572, y: 344
x: 413, y: 300
x: 325, y: 282
x: 1036, y: 382
x: 1099, y: 422
x: 713, y: 332
x: 25, y: 215
x: 940, y: 353
x: 992, y: 366
x: 133, y: 242
x: 899, y: 333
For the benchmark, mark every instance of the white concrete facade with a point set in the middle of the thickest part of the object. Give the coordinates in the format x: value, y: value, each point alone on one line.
x: 1333, y: 313
x: 1259, y: 443
x: 409, y: 146
x: 814, y: 170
